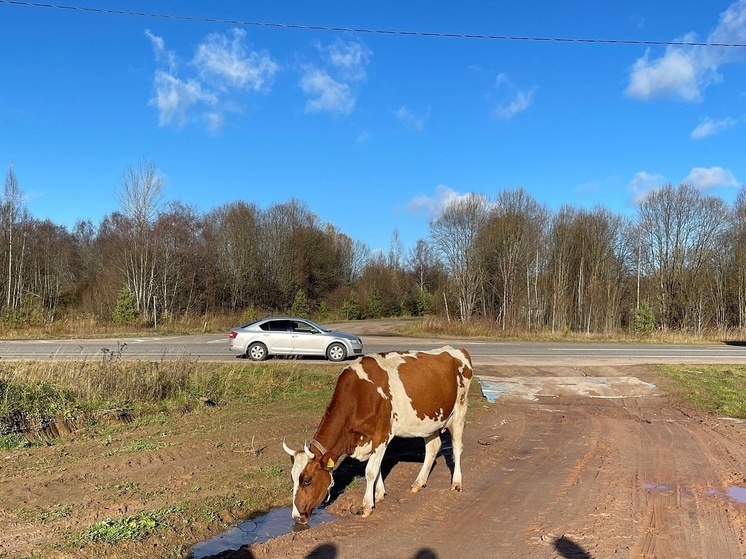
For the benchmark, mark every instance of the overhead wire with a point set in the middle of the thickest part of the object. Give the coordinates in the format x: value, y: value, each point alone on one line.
x: 372, y: 31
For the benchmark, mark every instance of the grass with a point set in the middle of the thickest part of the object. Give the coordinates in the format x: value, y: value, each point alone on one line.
x: 717, y: 388
x: 49, y: 397
x: 484, y: 329
x: 128, y: 528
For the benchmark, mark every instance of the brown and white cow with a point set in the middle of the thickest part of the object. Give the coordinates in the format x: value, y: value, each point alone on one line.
x: 378, y: 397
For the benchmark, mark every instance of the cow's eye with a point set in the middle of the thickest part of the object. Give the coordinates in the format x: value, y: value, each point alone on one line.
x: 307, y: 480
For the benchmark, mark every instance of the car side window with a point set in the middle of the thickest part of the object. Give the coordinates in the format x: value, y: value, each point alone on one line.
x: 302, y: 327
x: 277, y: 326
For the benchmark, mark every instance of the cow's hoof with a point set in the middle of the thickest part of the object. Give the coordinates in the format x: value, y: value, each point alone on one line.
x: 416, y: 488
x: 456, y: 487
x: 367, y: 512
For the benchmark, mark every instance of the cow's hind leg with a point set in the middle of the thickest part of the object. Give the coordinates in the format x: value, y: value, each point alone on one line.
x: 457, y: 431
x: 432, y: 446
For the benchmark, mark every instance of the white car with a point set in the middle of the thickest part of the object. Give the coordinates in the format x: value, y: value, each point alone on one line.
x: 283, y: 335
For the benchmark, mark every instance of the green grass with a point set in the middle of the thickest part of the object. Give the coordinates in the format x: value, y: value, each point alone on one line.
x: 717, y: 388
x: 13, y: 442
x: 128, y: 528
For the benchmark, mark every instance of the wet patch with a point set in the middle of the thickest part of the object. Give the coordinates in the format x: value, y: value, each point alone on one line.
x: 271, y: 525
x: 532, y: 388
x: 734, y: 493
x: 656, y: 487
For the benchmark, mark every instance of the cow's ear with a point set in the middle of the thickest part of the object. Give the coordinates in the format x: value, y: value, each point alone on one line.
x: 327, y: 462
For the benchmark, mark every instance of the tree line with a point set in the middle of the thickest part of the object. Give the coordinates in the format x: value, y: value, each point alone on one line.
x: 679, y: 264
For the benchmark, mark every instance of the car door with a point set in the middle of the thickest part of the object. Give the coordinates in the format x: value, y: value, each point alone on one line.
x: 279, y: 336
x: 307, y: 340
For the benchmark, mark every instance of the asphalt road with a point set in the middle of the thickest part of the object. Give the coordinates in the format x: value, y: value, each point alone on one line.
x: 214, y: 347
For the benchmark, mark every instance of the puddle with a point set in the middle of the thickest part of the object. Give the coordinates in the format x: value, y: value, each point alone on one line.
x: 738, y: 494
x: 275, y: 523
x: 735, y: 493
x: 656, y: 487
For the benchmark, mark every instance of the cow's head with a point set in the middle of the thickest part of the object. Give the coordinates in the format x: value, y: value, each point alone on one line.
x: 312, y: 481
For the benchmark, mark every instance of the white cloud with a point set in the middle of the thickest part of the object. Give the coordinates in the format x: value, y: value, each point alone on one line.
x: 327, y: 94
x: 351, y: 58
x: 174, y: 97
x: 677, y: 74
x: 329, y: 84
x: 705, y: 178
x: 685, y: 72
x: 514, y: 101
x: 228, y: 61
x: 411, y: 120
x: 224, y: 68
x: 709, y: 127
x: 643, y: 183
x: 433, y: 206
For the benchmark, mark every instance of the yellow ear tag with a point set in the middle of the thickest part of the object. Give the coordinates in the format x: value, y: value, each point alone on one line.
x: 330, y: 463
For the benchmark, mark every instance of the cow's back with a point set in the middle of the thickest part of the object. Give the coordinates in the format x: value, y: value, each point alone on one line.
x: 424, y: 387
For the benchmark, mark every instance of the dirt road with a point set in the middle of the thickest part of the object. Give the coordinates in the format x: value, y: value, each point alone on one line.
x: 556, y: 477
x: 573, y: 474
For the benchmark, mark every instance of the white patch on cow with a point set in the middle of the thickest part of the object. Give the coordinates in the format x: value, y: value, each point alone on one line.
x: 359, y: 371
x: 363, y: 452
x: 382, y: 393
x: 300, y: 461
x: 389, y: 361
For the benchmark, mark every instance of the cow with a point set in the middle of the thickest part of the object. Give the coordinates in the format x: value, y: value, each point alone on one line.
x: 378, y: 397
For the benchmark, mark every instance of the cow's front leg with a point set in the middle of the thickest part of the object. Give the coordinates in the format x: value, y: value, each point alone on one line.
x: 380, y: 491
x: 372, y: 475
x: 432, y: 446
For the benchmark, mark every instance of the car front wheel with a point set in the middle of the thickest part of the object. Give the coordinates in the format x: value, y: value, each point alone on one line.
x: 336, y: 352
x: 256, y: 352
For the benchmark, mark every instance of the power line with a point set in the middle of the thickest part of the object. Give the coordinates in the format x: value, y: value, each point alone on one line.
x: 431, y: 34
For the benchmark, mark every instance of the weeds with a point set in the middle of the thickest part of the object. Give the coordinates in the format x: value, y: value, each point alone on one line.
x: 14, y: 441
x: 129, y: 528
x: 52, y: 398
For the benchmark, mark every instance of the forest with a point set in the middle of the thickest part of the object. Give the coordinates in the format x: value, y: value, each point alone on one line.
x: 678, y: 265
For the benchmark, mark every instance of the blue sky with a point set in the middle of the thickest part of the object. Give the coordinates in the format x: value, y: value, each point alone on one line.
x: 374, y: 132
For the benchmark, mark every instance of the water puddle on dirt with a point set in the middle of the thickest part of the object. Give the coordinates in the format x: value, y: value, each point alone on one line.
x: 656, y: 487
x: 275, y: 523
x: 735, y: 493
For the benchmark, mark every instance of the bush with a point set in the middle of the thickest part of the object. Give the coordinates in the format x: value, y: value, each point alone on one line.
x: 125, y: 312
x: 644, y: 320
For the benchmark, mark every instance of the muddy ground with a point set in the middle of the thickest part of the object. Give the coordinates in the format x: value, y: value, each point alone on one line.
x: 564, y: 476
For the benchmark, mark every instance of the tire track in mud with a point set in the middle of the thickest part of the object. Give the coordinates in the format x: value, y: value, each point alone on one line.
x: 678, y: 463
x: 562, y: 477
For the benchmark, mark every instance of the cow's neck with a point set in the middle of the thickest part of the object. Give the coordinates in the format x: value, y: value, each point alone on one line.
x: 330, y: 439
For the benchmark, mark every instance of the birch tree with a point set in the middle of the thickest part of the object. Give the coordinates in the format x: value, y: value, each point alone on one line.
x: 454, y: 236
x: 140, y: 199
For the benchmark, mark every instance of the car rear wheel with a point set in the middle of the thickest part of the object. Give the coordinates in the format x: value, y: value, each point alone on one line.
x: 256, y: 352
x: 336, y: 352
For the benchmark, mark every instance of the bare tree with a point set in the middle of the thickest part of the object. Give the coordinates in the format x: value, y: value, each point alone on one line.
x: 509, y: 247
x: 454, y: 236
x: 140, y: 200
x: 14, y: 215
x: 680, y: 227
x: 738, y: 251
